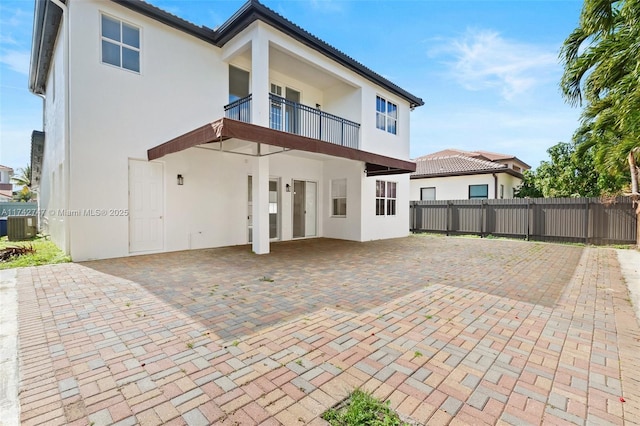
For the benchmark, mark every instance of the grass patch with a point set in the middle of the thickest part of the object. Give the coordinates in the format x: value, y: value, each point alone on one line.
x: 362, y: 408
x: 45, y: 253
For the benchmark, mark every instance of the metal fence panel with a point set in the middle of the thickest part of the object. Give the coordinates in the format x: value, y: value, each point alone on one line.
x: 588, y: 220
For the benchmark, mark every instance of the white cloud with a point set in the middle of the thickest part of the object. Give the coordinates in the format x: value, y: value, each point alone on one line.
x: 483, y: 59
x: 17, y: 60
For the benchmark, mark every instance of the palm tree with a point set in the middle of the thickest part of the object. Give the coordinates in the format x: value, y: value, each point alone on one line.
x: 23, y: 178
x: 602, y: 70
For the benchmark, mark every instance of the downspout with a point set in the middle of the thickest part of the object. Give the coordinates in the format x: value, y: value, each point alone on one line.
x: 495, y: 186
x: 67, y: 138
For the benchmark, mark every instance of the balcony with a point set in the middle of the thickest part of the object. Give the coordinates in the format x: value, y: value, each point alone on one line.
x: 299, y: 119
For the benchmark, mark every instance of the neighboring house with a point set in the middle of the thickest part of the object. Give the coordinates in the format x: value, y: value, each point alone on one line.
x: 453, y: 174
x: 160, y: 135
x: 6, y: 187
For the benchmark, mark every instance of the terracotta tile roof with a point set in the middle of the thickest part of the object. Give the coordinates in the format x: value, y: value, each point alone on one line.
x: 5, y: 168
x: 430, y: 165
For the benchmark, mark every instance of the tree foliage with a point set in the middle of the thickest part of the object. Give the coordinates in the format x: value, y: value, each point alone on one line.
x: 23, y: 179
x: 602, y: 73
x: 567, y: 174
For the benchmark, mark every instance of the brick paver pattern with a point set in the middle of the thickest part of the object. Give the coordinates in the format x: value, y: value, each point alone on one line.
x: 449, y: 330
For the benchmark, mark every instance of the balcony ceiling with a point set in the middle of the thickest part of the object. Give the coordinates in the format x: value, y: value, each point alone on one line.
x: 301, y: 70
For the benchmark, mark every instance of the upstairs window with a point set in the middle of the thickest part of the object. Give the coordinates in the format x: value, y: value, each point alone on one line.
x: 385, y: 198
x: 120, y: 44
x: 386, y: 115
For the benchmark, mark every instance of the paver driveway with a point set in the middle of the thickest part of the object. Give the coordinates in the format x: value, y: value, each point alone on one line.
x: 450, y: 330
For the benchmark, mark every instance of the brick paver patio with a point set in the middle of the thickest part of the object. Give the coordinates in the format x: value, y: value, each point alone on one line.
x: 449, y: 330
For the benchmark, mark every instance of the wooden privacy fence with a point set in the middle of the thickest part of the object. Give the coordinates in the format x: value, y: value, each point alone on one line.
x: 585, y: 220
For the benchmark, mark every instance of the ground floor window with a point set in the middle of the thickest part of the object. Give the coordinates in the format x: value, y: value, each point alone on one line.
x: 339, y: 197
x: 428, y: 193
x: 385, y: 198
x: 478, y: 191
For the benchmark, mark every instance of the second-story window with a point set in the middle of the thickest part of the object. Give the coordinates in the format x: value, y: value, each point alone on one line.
x: 386, y: 115
x: 120, y: 44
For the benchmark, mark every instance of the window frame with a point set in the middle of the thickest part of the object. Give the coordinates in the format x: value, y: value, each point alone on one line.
x: 475, y: 197
x: 335, y: 197
x: 428, y: 199
x: 121, y: 44
x: 386, y: 198
x: 389, y: 122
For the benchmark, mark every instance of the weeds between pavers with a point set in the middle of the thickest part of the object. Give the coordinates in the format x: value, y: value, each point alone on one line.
x: 361, y: 408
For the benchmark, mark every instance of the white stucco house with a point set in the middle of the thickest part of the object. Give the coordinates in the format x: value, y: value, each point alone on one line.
x: 160, y: 135
x: 6, y: 187
x: 454, y: 174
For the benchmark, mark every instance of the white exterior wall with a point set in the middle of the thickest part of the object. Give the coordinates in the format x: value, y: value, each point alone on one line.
x: 350, y: 226
x: 510, y: 184
x: 117, y: 115
x: 457, y: 187
x: 381, y: 227
x: 53, y: 190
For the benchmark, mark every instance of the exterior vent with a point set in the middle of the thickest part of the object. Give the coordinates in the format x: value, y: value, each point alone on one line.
x: 21, y: 227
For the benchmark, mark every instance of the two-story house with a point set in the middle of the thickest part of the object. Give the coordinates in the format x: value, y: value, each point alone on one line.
x: 454, y: 174
x: 6, y: 187
x: 160, y: 135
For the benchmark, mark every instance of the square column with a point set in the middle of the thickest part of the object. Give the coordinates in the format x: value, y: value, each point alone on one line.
x: 260, y: 78
x: 260, y: 193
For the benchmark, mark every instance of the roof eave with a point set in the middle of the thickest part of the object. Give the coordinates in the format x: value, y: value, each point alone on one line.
x: 468, y: 173
x: 254, y: 10
x: 46, y: 24
x: 153, y: 12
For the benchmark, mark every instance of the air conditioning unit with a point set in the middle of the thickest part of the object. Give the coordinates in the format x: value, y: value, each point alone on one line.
x: 21, y: 227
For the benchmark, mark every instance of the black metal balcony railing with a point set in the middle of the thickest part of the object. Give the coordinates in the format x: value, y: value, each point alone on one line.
x: 303, y: 120
x: 239, y: 109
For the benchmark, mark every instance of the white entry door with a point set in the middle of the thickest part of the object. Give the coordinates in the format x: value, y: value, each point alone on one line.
x: 146, y: 201
x: 304, y: 209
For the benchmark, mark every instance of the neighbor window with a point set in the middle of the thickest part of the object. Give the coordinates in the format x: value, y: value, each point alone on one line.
x: 120, y: 44
x: 478, y: 191
x: 385, y: 198
x: 386, y: 115
x: 339, y: 197
x: 428, y: 193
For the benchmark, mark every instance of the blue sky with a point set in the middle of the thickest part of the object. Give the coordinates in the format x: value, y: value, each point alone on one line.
x: 488, y: 71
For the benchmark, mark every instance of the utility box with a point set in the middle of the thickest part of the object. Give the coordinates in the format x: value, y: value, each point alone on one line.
x: 21, y: 228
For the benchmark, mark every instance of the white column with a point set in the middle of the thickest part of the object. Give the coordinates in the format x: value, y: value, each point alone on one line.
x: 260, y: 78
x: 260, y: 180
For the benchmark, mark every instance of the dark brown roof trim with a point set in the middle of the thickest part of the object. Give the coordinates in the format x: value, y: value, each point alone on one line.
x: 226, y: 128
x: 154, y: 12
x: 470, y: 172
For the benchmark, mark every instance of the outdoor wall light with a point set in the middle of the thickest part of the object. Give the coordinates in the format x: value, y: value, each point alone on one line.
x: 287, y: 187
x: 180, y: 180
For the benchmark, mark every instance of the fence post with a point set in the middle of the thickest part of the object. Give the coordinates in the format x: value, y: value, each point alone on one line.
x: 447, y: 218
x: 481, y: 219
x: 527, y: 214
x: 586, y: 221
